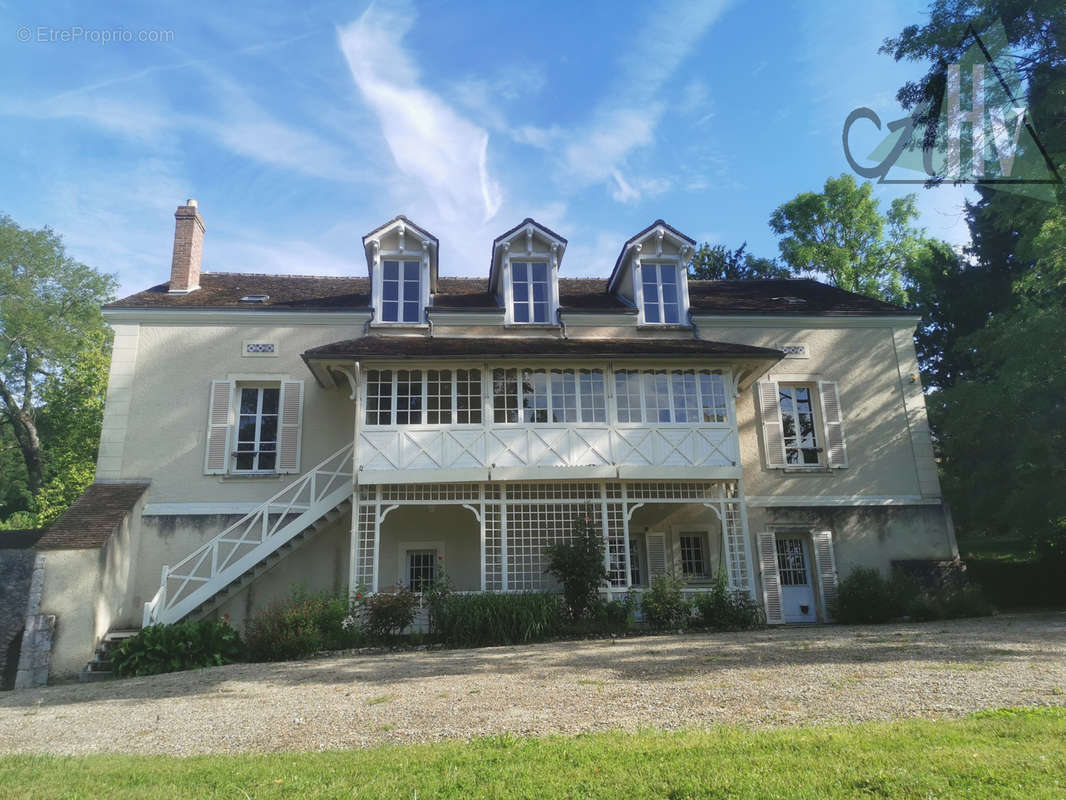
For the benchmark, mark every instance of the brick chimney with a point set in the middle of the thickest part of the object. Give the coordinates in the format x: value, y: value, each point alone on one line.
x: 188, y: 249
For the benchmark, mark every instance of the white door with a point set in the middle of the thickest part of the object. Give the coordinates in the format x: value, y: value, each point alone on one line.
x: 794, y: 569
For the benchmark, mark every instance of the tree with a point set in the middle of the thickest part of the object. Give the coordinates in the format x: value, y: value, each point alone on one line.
x: 50, y: 322
x: 839, y: 234
x: 719, y: 263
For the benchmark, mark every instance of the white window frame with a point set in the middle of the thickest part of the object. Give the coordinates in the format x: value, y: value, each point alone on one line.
x: 393, y: 382
x: 401, y: 282
x: 669, y: 372
x: 817, y: 424
x: 549, y: 407
x: 682, y: 291
x: 238, y: 390
x: 529, y: 303
x: 519, y: 249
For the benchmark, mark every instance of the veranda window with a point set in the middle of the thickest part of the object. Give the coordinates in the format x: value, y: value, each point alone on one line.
x: 257, y: 429
x: 421, y: 569
x: 423, y: 397
x: 670, y: 396
x: 694, y: 555
x: 542, y: 396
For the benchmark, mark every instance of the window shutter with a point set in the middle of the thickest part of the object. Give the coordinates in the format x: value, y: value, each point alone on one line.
x: 216, y: 451
x: 836, y: 450
x: 290, y: 424
x: 771, y: 580
x: 773, y: 434
x: 656, y: 554
x: 826, y: 566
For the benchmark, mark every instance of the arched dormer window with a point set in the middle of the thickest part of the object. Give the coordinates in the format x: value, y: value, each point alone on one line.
x: 651, y: 273
x: 402, y: 260
x: 525, y: 273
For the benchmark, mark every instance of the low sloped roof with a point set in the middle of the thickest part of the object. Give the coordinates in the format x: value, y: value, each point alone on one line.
x: 94, y: 516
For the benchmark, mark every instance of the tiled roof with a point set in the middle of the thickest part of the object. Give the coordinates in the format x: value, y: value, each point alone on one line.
x: 502, y: 347
x: 94, y: 516
x: 305, y: 292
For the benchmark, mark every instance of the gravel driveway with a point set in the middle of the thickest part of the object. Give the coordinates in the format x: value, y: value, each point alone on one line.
x: 768, y: 678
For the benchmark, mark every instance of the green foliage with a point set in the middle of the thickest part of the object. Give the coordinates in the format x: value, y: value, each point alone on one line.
x: 51, y: 335
x: 726, y: 610
x: 169, y: 648
x: 994, y: 755
x: 386, y: 614
x: 664, y: 604
x: 841, y: 235
x: 719, y: 263
x: 579, y: 566
x: 865, y: 597
x: 302, y: 625
x: 471, y: 620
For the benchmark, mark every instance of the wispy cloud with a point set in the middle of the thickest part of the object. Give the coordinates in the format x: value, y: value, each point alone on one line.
x: 430, y: 141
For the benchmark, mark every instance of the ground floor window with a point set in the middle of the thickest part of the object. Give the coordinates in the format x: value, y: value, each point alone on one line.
x: 636, y: 560
x: 421, y: 569
x: 694, y: 555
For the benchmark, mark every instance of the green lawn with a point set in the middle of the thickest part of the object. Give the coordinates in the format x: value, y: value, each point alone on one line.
x: 1005, y: 754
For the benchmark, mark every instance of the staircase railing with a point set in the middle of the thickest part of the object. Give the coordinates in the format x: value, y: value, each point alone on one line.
x: 223, y: 559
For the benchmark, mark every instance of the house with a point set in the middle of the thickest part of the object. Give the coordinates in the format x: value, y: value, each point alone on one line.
x: 381, y: 429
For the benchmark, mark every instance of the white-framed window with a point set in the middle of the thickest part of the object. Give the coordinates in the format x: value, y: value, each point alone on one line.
x: 791, y: 562
x: 670, y: 396
x: 548, y: 396
x: 421, y: 569
x: 531, y: 292
x: 798, y: 424
x: 637, y: 560
x: 423, y: 397
x: 694, y: 561
x: 661, y: 294
x: 257, y: 428
x: 401, y: 291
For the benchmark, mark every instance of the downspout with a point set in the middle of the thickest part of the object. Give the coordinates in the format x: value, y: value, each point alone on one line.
x: 559, y: 319
x: 353, y: 545
x: 692, y: 322
x: 429, y: 322
x: 366, y: 327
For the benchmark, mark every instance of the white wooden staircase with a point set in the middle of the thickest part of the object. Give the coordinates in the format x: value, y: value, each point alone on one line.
x: 256, y: 542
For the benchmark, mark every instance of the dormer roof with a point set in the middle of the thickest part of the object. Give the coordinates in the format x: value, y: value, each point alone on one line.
x: 403, y: 236
x: 660, y: 230
x: 519, y: 240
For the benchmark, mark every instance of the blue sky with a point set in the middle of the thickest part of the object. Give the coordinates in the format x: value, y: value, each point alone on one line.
x: 300, y: 129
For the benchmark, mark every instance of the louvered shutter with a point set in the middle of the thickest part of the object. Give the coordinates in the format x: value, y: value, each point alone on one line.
x: 773, y: 435
x: 833, y: 417
x: 216, y: 450
x: 656, y: 554
x: 826, y: 566
x: 290, y: 425
x: 771, y: 580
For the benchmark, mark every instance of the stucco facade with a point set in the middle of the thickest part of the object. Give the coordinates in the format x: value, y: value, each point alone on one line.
x: 688, y: 489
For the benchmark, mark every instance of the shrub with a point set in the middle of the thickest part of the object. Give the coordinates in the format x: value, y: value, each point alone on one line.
x: 169, y: 648
x: 664, y: 603
x: 579, y: 566
x: 864, y: 596
x: 302, y: 625
x: 727, y: 610
x: 386, y: 614
x: 470, y: 620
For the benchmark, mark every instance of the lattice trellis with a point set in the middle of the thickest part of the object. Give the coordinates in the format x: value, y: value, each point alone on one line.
x: 493, y: 549
x: 366, y: 553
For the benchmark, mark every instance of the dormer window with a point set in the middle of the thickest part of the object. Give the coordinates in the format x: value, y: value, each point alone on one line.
x: 530, y: 291
x: 402, y: 260
x: 401, y: 291
x: 661, y: 297
x: 651, y: 274
x: 524, y: 275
